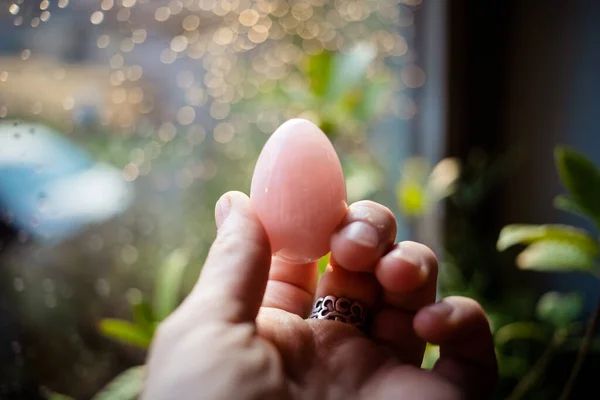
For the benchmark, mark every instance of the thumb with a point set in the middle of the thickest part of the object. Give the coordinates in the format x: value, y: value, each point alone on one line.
x: 234, y: 276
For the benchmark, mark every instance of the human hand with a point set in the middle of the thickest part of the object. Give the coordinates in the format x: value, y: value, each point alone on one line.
x: 243, y: 333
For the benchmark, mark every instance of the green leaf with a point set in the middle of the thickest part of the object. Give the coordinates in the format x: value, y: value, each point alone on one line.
x: 515, y: 234
x: 168, y: 283
x: 348, y: 70
x: 126, y: 386
x: 142, y: 315
x: 431, y: 355
x: 554, y: 255
x: 520, y: 330
x: 559, y: 309
x: 318, y: 71
x: 412, y: 198
x: 323, y: 262
x: 125, y: 331
x: 582, y: 179
x: 412, y: 189
x: 443, y: 179
x: 57, y: 396
x: 565, y: 204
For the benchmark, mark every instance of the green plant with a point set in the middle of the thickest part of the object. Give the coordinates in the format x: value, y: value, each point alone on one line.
x: 140, y: 331
x: 561, y: 248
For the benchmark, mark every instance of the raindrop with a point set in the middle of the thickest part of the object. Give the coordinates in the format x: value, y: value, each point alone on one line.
x: 96, y: 242
x: 97, y: 17
x: 131, y: 172
x: 162, y: 14
x: 175, y: 7
x: 107, y: 4
x: 167, y: 132
x: 191, y: 22
x: 134, y: 73
x: 179, y: 44
x: 68, y: 103
x: 219, y: 110
x: 13, y: 9
x: 63, y: 3
x: 134, y: 295
x: 102, y: 287
x: 186, y: 115
x: 48, y: 285
x: 139, y: 36
x: 248, y: 17
x: 116, y: 61
x: 50, y: 300
x: 129, y: 254
x: 123, y: 15
x: 223, y: 132
x: 18, y: 284
x: 167, y: 56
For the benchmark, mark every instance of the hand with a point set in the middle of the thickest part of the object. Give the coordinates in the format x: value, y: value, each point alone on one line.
x: 242, y: 332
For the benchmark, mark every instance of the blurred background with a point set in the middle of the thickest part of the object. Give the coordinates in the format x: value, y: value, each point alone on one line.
x: 123, y: 121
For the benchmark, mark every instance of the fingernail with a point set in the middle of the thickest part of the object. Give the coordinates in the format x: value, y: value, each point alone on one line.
x: 413, y: 256
x: 362, y: 233
x: 223, y: 209
x: 442, y: 309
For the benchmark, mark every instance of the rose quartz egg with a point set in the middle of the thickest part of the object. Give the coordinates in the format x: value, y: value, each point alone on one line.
x: 298, y: 191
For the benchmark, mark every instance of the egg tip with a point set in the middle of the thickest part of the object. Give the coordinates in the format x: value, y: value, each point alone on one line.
x: 299, y: 123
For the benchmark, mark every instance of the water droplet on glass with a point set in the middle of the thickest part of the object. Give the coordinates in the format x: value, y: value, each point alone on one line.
x: 18, y: 284
x: 97, y: 17
x: 48, y: 285
x: 134, y: 295
x: 130, y: 172
x: 50, y: 300
x: 129, y: 254
x: 102, y: 287
x: 107, y: 4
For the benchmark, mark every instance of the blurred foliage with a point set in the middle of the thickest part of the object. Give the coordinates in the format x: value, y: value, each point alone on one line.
x: 529, y: 333
x: 420, y: 186
x: 167, y: 295
x: 559, y: 248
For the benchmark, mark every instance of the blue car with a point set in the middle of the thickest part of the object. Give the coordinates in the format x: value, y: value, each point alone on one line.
x: 52, y: 189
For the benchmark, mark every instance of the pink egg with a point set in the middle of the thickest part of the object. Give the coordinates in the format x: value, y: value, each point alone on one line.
x: 298, y: 191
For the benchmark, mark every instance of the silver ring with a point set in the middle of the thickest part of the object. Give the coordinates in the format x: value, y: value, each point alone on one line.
x: 340, y: 309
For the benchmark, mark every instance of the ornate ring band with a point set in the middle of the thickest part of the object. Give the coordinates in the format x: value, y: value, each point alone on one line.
x: 340, y: 309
